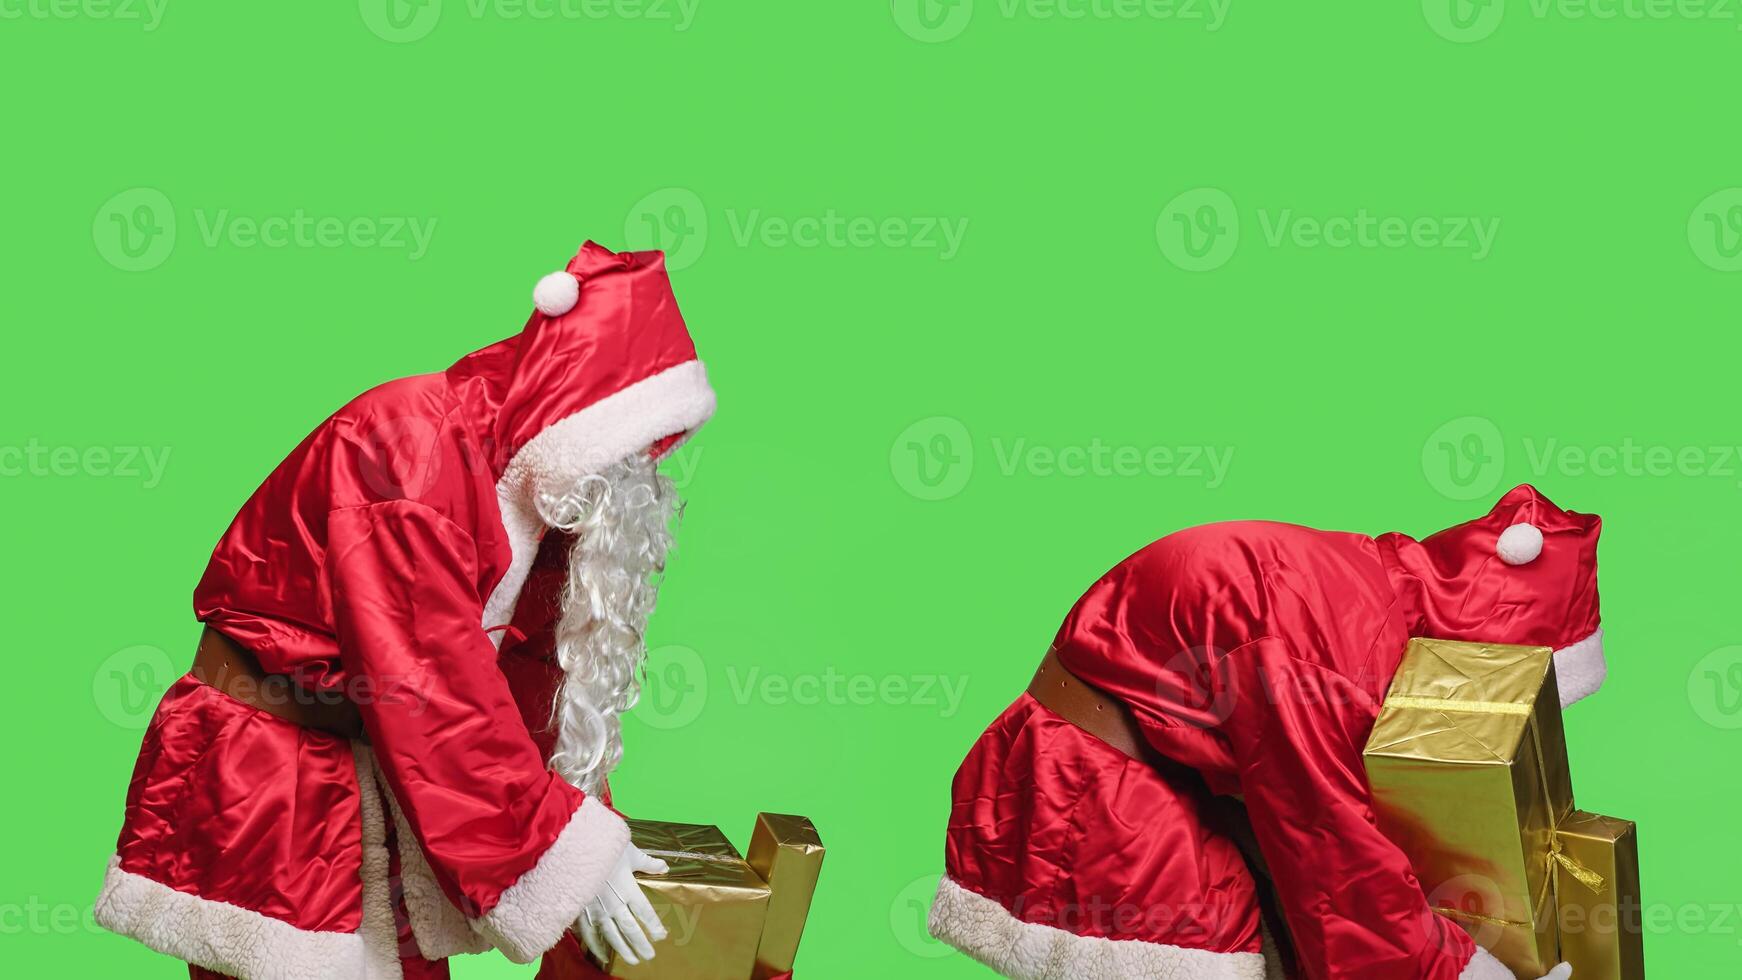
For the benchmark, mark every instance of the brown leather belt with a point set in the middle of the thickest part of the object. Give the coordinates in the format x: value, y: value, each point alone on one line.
x: 228, y: 666
x: 1108, y: 719
x: 1085, y: 706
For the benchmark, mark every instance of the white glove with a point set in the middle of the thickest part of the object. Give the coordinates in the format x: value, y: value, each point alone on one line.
x: 620, y: 916
x: 1483, y: 966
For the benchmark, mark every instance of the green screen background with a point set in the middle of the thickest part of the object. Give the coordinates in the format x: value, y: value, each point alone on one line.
x: 878, y: 544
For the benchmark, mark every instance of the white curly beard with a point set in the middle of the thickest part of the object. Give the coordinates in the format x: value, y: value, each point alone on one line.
x: 622, y: 519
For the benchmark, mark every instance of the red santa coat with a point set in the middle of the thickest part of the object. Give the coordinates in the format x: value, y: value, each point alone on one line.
x: 376, y: 560
x: 1255, y: 656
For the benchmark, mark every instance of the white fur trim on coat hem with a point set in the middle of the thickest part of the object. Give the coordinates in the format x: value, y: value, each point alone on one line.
x: 222, y: 937
x: 1580, y: 669
x: 531, y: 915
x: 986, y: 931
x: 380, y: 933
x: 440, y: 929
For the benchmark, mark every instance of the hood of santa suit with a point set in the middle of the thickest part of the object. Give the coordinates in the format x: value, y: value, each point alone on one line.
x: 604, y: 369
x: 1524, y: 573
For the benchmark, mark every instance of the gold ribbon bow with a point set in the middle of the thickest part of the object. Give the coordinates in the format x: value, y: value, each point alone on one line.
x: 1585, y: 876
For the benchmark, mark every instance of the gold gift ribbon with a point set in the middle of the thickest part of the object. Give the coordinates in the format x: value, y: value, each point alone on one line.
x: 1447, y: 704
x: 1584, y: 875
x: 1479, y: 917
x: 695, y: 856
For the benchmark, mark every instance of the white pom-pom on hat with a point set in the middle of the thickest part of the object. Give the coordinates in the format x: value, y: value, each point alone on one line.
x: 556, y: 293
x: 1519, y: 544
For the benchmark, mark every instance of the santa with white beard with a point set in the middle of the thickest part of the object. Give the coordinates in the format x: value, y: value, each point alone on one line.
x: 420, y: 634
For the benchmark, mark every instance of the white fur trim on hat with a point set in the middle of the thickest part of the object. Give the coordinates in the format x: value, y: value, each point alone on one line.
x: 674, y: 401
x: 222, y: 937
x: 985, y: 930
x: 1580, y: 668
x: 1520, y: 544
x: 556, y: 293
x: 531, y: 915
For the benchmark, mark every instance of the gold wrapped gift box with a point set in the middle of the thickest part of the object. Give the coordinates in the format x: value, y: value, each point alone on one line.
x: 726, y: 918
x: 786, y: 851
x: 1600, y: 916
x: 1468, y: 766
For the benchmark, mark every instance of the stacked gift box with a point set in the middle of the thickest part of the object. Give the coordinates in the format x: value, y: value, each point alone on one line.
x: 1468, y: 767
x: 728, y: 916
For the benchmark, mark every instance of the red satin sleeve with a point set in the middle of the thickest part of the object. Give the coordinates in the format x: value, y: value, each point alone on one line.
x: 437, y: 709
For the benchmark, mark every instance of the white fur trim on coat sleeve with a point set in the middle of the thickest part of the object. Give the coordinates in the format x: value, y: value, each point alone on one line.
x: 985, y: 930
x: 222, y: 937
x: 531, y: 915
x: 1580, y: 669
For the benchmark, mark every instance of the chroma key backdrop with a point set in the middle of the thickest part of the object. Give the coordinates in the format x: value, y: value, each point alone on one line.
x: 993, y: 293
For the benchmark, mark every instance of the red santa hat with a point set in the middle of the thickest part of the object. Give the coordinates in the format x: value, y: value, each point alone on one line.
x: 1525, y: 572
x: 604, y: 369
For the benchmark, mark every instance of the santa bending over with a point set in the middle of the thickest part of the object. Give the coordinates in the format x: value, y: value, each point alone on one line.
x: 1093, y: 832
x: 420, y: 633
